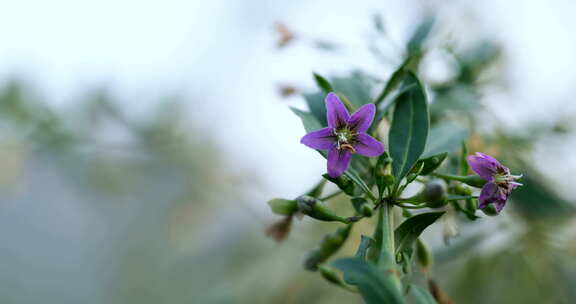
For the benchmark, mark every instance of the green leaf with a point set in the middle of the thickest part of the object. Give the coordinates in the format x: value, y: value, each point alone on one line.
x: 409, y: 130
x: 308, y: 120
x: 356, y: 87
x: 365, y: 243
x: 376, y: 287
x: 351, y: 173
x: 432, y: 163
x: 446, y: 137
x: 421, y: 295
x: 315, y: 102
x: 420, y: 35
x: 407, y: 233
x: 323, y: 84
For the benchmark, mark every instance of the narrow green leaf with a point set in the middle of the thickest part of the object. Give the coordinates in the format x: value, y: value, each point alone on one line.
x: 351, y: 173
x: 315, y: 102
x: 407, y: 233
x: 376, y: 287
x: 323, y: 84
x: 446, y: 137
x: 421, y: 295
x: 308, y: 120
x: 356, y: 87
x: 420, y: 35
x: 409, y: 130
x: 365, y: 243
x: 432, y: 163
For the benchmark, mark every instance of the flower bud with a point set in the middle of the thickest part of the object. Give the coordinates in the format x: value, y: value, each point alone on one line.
x: 343, y: 182
x: 330, y: 275
x: 423, y: 255
x: 433, y: 194
x: 314, y: 208
x: 362, y: 206
x: 384, y: 181
x: 283, y: 206
x: 490, y: 210
x: 471, y: 205
x: 329, y: 244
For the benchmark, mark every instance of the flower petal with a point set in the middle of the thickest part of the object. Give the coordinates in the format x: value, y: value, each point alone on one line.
x: 338, y: 161
x: 488, y: 195
x: 361, y: 120
x: 336, y: 112
x: 367, y: 145
x: 484, y: 165
x: 500, y: 205
x: 320, y: 139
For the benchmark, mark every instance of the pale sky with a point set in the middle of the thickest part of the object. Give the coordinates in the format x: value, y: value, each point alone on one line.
x: 222, y: 55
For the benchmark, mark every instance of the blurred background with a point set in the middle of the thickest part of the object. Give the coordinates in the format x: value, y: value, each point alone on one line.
x: 140, y: 141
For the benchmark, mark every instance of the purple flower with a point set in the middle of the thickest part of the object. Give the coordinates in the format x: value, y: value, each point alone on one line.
x: 345, y: 135
x: 500, y: 182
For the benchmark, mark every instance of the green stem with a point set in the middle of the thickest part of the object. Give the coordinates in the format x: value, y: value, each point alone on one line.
x: 385, y: 232
x: 449, y: 176
x: 329, y: 196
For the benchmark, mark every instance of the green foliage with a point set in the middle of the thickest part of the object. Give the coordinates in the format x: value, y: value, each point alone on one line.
x: 409, y: 231
x: 375, y: 286
x: 446, y: 137
x: 409, y: 130
x: 308, y: 120
x: 421, y: 295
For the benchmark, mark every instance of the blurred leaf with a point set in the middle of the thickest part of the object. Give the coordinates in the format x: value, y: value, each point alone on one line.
x: 356, y: 87
x: 421, y: 295
x: 536, y: 200
x: 409, y: 130
x: 326, y: 46
x: 308, y: 120
x: 407, y: 233
x: 315, y: 102
x: 379, y: 23
x: 375, y: 286
x: 365, y: 243
x: 445, y: 137
x: 323, y: 84
x: 420, y: 34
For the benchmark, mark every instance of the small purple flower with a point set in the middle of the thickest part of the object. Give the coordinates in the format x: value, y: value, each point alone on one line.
x: 500, y: 182
x: 345, y: 135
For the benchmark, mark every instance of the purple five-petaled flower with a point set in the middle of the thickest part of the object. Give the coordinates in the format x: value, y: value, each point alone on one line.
x: 345, y: 135
x: 500, y: 182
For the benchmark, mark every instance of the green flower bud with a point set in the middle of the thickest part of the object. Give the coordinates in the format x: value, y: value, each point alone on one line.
x: 343, y: 182
x: 434, y: 195
x: 329, y: 244
x: 330, y: 275
x: 362, y: 206
x: 490, y: 210
x: 283, y: 206
x: 471, y: 205
x: 423, y: 255
x: 314, y: 208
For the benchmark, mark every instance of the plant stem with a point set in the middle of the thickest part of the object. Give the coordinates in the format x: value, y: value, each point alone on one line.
x: 329, y: 196
x: 385, y: 232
